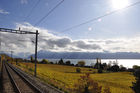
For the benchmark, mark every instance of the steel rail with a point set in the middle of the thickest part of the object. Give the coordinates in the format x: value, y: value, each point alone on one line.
x: 31, y: 85
x: 12, y: 80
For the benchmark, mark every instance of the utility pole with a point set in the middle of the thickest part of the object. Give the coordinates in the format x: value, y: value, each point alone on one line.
x: 0, y: 50
x: 0, y: 41
x: 36, y: 52
x: 11, y: 53
x: 11, y: 56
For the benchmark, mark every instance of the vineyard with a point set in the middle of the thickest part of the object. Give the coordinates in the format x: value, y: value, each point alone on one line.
x: 65, y: 77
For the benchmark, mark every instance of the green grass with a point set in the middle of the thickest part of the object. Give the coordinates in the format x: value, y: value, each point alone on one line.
x: 64, y: 77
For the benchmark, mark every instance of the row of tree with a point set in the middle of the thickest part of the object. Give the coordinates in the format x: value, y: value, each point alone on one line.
x: 114, y: 67
x: 111, y: 66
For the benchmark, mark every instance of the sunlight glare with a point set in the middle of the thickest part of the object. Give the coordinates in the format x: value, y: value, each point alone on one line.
x: 119, y: 4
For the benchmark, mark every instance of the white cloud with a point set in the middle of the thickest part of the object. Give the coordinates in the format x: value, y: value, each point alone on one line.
x: 3, y: 11
x: 51, y: 42
x: 24, y: 1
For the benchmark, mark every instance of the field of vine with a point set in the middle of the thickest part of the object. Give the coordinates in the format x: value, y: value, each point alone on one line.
x: 64, y: 77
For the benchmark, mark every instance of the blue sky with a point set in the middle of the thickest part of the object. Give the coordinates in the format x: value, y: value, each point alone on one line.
x: 71, y: 12
x: 123, y: 24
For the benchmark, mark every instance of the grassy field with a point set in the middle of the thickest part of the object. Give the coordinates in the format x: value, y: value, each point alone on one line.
x: 64, y: 77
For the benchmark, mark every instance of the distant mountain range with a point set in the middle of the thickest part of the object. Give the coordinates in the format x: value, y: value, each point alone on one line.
x: 18, y: 55
x: 87, y: 55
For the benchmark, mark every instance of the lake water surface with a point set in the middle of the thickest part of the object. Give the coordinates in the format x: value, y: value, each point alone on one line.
x: 125, y: 62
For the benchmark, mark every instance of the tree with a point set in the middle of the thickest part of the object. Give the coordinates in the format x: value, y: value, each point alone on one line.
x: 32, y: 59
x: 115, y: 62
x: 68, y: 63
x: 72, y: 64
x: 61, y: 62
x: 81, y: 63
x: 114, y: 68
x: 98, y: 63
x: 136, y: 85
x: 104, y: 66
x: 122, y: 68
x: 136, y: 67
x: 44, y: 61
x: 109, y: 64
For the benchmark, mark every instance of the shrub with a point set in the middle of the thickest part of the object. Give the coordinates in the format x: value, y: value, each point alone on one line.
x: 78, y: 70
x: 106, y: 90
x: 26, y: 66
x: 90, y: 70
x: 51, y: 63
x: 81, y: 63
x: 94, y: 72
x: 100, y: 71
x: 136, y: 85
x: 18, y: 64
x: 30, y: 69
x: 85, y: 84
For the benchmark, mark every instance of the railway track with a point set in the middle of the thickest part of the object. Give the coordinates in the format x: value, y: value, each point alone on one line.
x: 7, y: 86
x: 14, y: 82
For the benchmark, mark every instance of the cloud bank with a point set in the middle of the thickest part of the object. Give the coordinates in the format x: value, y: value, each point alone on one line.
x: 50, y: 42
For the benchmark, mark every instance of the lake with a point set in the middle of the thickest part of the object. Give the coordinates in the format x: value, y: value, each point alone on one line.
x: 125, y: 62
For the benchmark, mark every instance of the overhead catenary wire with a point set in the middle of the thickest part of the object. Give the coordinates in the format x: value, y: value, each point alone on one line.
x: 38, y: 22
x: 32, y: 10
x: 94, y: 19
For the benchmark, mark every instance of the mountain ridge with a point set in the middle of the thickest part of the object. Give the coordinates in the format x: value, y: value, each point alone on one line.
x: 87, y: 55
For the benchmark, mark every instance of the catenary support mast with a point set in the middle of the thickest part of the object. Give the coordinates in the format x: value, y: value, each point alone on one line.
x: 25, y: 32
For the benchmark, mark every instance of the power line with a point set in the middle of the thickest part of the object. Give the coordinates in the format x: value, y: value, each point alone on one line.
x: 32, y: 9
x: 94, y: 19
x: 48, y: 13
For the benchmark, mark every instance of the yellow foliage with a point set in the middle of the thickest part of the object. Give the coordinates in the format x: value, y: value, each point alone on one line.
x: 65, y: 77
